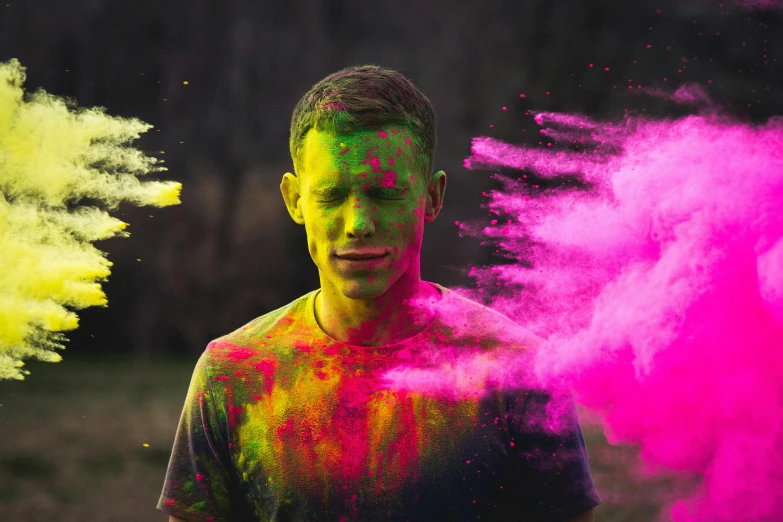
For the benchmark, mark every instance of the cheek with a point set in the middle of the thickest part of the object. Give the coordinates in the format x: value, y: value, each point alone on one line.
x: 404, y: 228
x: 320, y: 232
x: 328, y: 228
x: 413, y: 216
x: 397, y: 223
x: 321, y: 223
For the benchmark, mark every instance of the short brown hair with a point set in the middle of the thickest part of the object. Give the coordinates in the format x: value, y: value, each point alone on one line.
x: 365, y: 97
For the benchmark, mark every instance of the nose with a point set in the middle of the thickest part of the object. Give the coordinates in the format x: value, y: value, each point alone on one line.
x: 359, y: 223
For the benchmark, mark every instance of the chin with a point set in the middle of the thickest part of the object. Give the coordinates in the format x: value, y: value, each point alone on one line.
x: 364, y: 290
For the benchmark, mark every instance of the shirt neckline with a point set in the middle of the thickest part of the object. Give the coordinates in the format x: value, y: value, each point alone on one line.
x: 314, y: 326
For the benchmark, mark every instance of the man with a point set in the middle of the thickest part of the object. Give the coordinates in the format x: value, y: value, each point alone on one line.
x: 365, y: 399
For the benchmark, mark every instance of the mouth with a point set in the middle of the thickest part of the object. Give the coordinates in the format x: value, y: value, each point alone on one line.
x: 363, y: 255
x: 361, y: 260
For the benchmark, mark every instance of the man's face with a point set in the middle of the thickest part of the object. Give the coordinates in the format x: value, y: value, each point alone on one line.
x: 363, y: 200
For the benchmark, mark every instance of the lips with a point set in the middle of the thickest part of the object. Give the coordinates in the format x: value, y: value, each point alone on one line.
x: 361, y: 255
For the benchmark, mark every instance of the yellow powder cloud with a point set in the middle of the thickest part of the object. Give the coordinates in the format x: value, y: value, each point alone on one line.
x: 53, y: 155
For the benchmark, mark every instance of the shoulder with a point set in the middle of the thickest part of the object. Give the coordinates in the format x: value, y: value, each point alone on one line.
x: 469, y: 350
x: 469, y: 321
x: 267, y: 335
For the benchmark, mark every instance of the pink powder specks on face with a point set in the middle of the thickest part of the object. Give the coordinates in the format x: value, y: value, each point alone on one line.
x: 389, y: 179
x: 383, y: 134
x: 659, y: 290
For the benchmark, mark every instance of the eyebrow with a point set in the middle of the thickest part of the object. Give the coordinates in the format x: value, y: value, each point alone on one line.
x: 378, y: 189
x: 330, y: 190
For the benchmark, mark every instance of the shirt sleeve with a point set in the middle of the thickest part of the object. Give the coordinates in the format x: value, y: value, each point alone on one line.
x: 553, y: 469
x: 199, y: 480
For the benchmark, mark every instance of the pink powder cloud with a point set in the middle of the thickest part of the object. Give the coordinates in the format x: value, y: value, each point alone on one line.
x: 659, y: 291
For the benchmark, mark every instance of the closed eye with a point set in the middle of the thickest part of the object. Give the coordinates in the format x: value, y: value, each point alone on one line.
x: 329, y: 195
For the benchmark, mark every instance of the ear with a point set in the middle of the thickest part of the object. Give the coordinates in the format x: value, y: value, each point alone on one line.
x: 436, y: 188
x: 292, y: 197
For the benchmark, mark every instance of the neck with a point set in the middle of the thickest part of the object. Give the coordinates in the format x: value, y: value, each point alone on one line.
x: 387, y: 319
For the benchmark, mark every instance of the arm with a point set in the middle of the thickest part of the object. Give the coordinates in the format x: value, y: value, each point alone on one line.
x: 199, y: 479
x: 587, y: 516
x: 172, y: 518
x: 552, y: 456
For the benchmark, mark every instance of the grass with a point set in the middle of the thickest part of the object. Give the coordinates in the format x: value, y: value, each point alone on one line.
x: 73, y: 437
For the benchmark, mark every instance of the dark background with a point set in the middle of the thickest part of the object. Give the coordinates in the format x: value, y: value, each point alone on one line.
x: 230, y: 252
x: 89, y: 438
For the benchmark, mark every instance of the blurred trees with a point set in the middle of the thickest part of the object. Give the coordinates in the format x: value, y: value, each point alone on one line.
x: 219, y: 80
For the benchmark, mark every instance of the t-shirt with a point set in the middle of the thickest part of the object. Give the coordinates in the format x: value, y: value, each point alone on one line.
x: 283, y: 423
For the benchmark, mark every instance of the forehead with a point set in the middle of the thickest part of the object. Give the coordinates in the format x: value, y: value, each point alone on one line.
x: 366, y: 153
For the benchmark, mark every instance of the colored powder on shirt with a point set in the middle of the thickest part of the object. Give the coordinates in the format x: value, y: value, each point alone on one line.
x: 285, y: 422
